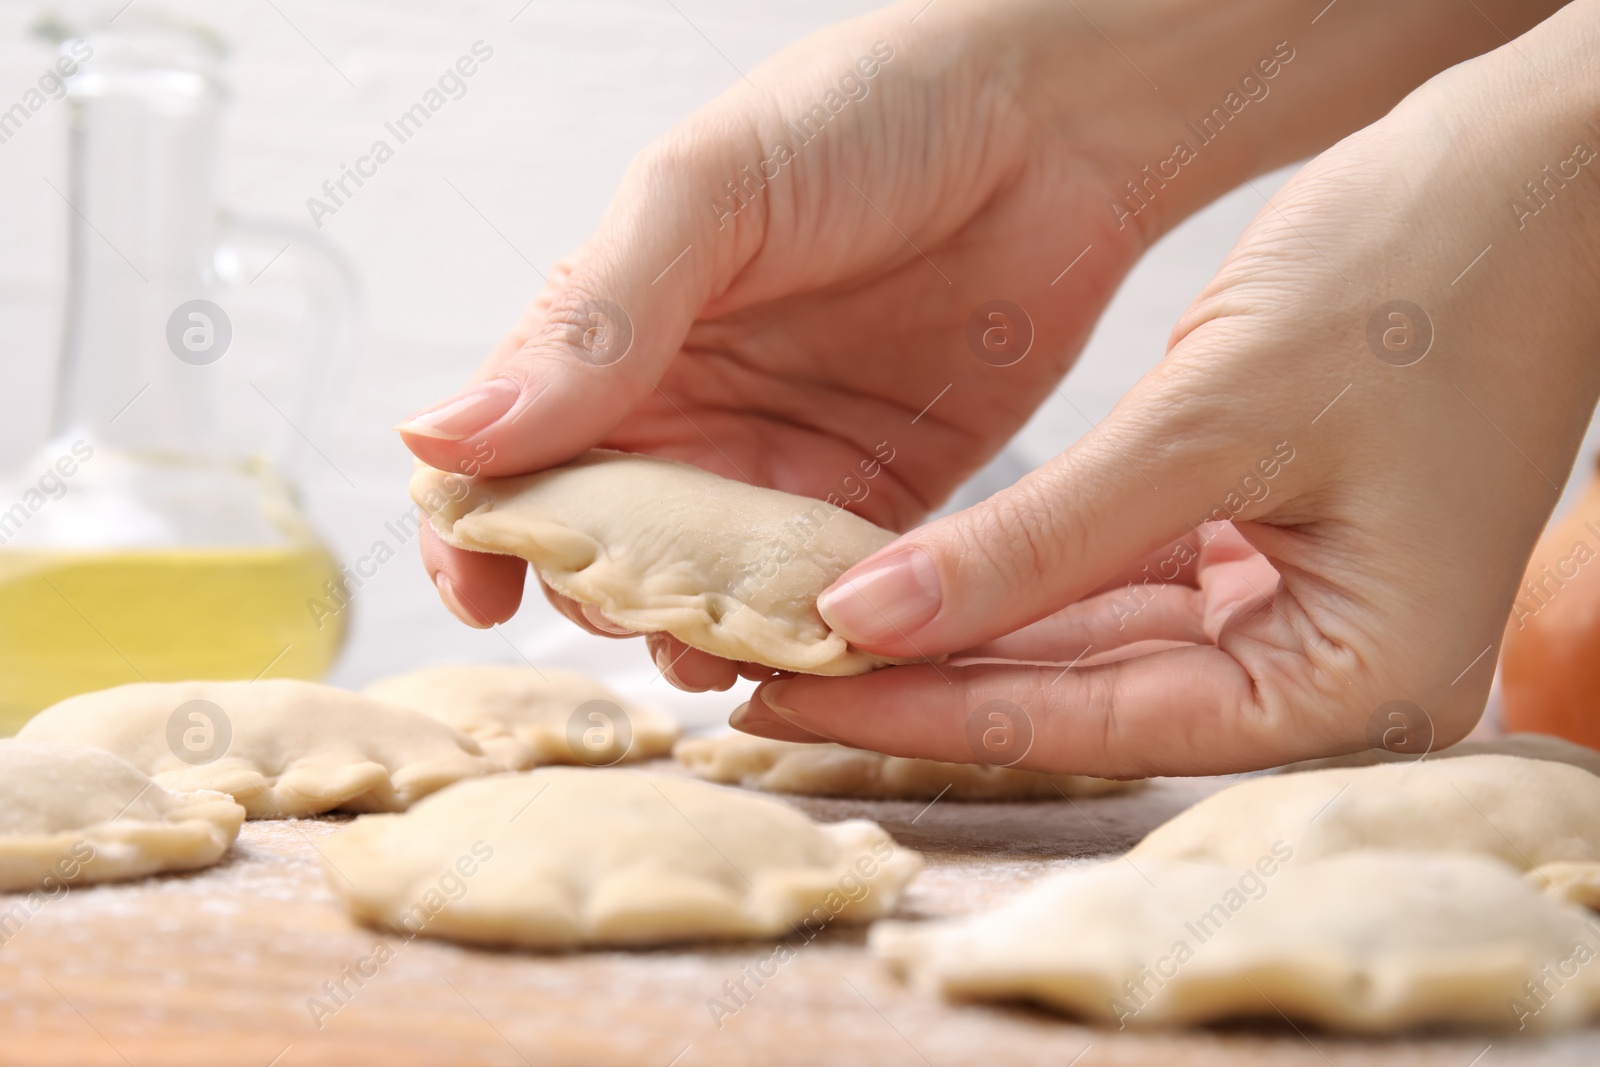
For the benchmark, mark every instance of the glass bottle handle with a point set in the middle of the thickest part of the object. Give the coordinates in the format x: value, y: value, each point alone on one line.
x: 273, y: 264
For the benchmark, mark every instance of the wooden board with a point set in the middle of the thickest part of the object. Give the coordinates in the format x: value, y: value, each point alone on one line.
x: 220, y: 968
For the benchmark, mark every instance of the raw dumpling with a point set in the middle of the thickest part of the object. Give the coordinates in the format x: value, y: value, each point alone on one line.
x: 1525, y: 812
x: 525, y: 717
x: 72, y: 814
x: 728, y: 568
x: 282, y: 748
x: 563, y: 856
x: 837, y: 771
x: 1529, y: 746
x: 1368, y: 941
x: 1576, y: 883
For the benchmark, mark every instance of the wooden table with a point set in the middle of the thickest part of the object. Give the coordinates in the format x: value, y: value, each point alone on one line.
x: 219, y: 967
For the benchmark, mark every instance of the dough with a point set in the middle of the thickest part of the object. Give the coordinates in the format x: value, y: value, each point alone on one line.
x: 1369, y: 941
x: 1525, y: 812
x: 523, y: 717
x: 1576, y: 883
x: 74, y: 814
x: 280, y: 747
x: 1531, y: 746
x: 564, y: 856
x: 728, y: 568
x: 837, y: 771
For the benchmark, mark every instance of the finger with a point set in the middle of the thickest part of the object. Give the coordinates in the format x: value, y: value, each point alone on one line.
x: 683, y: 666
x: 1235, y: 580
x: 1175, y: 563
x: 1233, y: 577
x: 1129, y: 651
x: 1102, y: 623
x: 756, y: 719
x: 1155, y: 600
x: 1180, y: 711
x: 479, y: 588
x: 1055, y: 535
x: 600, y: 335
x: 689, y: 668
x: 587, y: 616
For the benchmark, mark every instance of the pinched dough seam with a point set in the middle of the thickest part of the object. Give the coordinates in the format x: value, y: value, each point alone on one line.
x: 864, y: 775
x: 691, y: 621
x: 1332, y: 991
x: 1574, y: 881
x: 306, y: 789
x: 711, y: 629
x: 125, y: 849
x: 776, y: 903
x: 523, y: 748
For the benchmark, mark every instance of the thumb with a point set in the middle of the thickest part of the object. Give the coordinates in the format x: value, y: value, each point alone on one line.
x: 1148, y: 475
x: 598, y: 338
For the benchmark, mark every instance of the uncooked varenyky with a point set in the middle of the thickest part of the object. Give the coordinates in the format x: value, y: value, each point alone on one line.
x: 1525, y: 812
x: 565, y: 856
x: 1367, y: 940
x: 280, y: 747
x: 525, y: 716
x: 837, y: 771
x: 659, y: 546
x: 72, y: 814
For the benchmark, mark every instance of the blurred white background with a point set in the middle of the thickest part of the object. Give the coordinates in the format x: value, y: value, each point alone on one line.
x: 537, y: 144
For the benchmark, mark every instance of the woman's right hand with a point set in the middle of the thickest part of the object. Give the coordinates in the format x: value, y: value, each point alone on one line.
x: 786, y: 280
x: 840, y: 307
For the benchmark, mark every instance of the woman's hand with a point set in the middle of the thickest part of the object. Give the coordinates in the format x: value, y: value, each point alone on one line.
x: 798, y: 273
x: 1382, y: 390
x: 786, y: 280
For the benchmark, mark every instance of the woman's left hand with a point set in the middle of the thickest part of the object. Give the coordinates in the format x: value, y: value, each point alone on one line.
x: 1381, y: 391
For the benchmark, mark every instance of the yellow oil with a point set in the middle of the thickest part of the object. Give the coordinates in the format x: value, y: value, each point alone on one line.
x: 75, y: 621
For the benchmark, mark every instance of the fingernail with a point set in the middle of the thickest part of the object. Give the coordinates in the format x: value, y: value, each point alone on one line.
x: 664, y: 664
x: 891, y: 598
x: 596, y: 618
x: 770, y: 694
x: 758, y: 723
x: 452, y: 600
x: 466, y: 413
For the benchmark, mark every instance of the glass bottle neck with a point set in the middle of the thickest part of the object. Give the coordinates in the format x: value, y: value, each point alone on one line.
x: 142, y: 230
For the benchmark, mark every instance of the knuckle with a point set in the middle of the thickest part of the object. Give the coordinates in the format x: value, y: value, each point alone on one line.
x: 1077, y: 720
x: 1018, y: 534
x: 685, y: 158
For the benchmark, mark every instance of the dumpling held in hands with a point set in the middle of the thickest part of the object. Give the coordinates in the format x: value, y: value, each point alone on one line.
x: 659, y: 546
